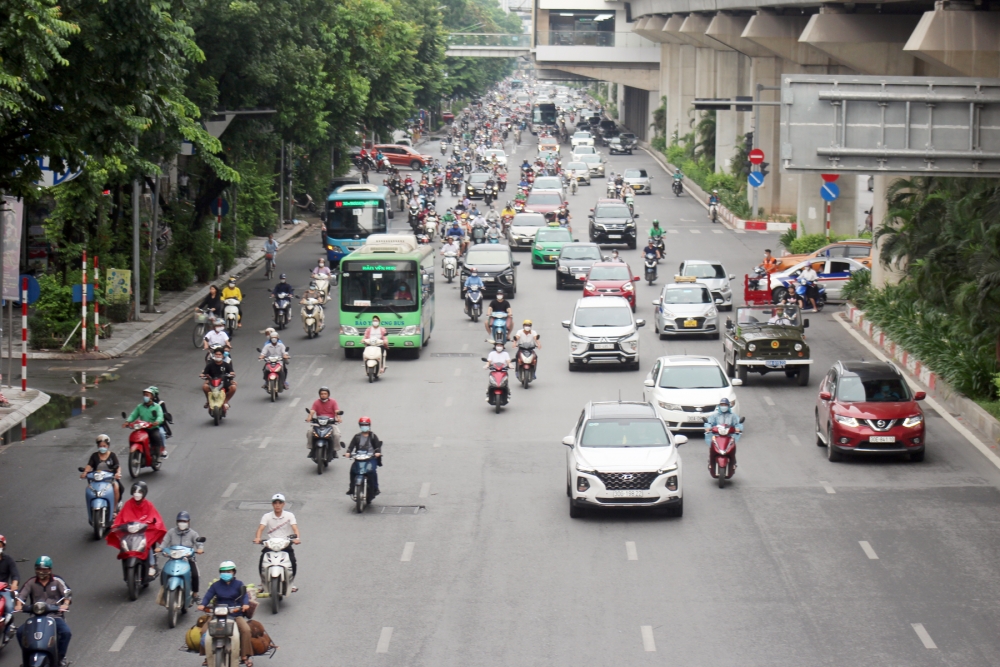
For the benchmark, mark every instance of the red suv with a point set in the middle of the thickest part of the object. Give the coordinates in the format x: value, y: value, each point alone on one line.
x: 403, y: 156
x: 611, y: 279
x: 866, y: 407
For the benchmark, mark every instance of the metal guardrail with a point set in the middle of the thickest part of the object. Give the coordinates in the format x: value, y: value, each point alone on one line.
x: 489, y: 40
x: 593, y: 38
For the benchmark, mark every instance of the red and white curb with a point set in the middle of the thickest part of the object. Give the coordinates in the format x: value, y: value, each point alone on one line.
x: 894, y: 351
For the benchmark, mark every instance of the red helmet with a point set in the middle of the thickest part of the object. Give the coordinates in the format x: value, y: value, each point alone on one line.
x: 3, y: 540
x: 365, y: 421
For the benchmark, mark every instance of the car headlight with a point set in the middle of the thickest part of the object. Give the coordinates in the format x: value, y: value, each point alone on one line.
x: 725, y: 288
x: 712, y: 312
x: 580, y: 468
x: 751, y: 347
x: 798, y: 347
x: 627, y: 287
x: 348, y: 331
x: 577, y: 345
x: 589, y: 287
x: 410, y: 330
x: 664, y: 471
x: 631, y: 344
x: 670, y: 406
x: 666, y: 313
x: 562, y: 269
x: 601, y: 227
x: 915, y: 420
x: 845, y: 420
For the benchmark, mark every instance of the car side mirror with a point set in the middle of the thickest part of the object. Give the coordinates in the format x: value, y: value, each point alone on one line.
x: 736, y: 382
x: 656, y: 302
x: 565, y: 324
x: 680, y: 440
x: 805, y: 323
x: 648, y: 382
x: 640, y: 323
x: 920, y: 395
x: 742, y: 419
x: 569, y: 441
x: 732, y: 276
x: 718, y: 302
x: 517, y: 262
x: 825, y: 396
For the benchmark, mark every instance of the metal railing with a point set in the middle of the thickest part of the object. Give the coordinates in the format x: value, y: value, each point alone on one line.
x: 489, y: 40
x: 593, y: 38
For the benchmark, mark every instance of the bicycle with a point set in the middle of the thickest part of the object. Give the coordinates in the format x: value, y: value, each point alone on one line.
x: 269, y: 265
x: 201, y: 318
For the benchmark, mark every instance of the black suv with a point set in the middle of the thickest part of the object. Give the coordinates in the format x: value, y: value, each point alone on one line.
x: 495, y: 265
x: 574, y: 262
x: 611, y: 223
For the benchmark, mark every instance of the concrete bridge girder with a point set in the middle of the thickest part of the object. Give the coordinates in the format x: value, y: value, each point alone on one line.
x: 966, y: 43
x: 780, y: 35
x: 869, y: 43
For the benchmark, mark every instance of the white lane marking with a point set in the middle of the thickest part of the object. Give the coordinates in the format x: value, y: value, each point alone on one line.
x: 761, y: 231
x: 458, y: 371
x: 264, y: 442
x: 794, y: 438
x: 630, y: 551
x: 686, y: 220
x: 826, y: 485
x: 465, y: 347
x: 648, y: 643
x: 740, y: 231
x: 437, y: 441
x: 122, y: 638
x: 295, y: 401
x: 955, y: 424
x: 695, y: 231
x: 924, y: 636
x: 407, y: 552
x: 425, y: 489
x: 673, y: 231
x: 717, y: 231
x: 383, y: 641
x: 768, y: 400
x: 229, y: 489
x: 867, y: 548
x: 448, y: 401
x: 316, y: 373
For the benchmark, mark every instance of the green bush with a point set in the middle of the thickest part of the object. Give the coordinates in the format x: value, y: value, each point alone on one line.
x: 857, y: 288
x: 55, y: 301
x: 177, y: 272
x: 808, y: 243
x: 659, y: 144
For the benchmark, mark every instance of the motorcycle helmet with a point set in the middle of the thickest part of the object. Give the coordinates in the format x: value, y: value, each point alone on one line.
x: 656, y: 223
x: 101, y: 438
x: 526, y: 323
x: 43, y: 563
x: 227, y: 566
x: 313, y: 285
x: 364, y: 421
x: 139, y: 487
x: 724, y: 401
x: 283, y: 277
x: 499, y: 293
x: 183, y: 516
x: 324, y: 388
x: 3, y: 541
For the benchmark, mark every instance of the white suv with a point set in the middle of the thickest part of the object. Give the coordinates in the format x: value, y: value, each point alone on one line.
x: 687, y: 389
x: 622, y: 455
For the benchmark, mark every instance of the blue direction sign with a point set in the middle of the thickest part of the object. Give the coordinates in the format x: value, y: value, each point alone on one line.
x: 829, y: 191
x: 755, y: 179
x: 78, y: 293
x: 34, y: 290
x: 215, y: 207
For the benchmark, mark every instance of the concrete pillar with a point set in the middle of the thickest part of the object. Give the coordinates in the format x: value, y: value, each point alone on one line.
x: 779, y: 194
x: 882, y: 275
x: 965, y: 42
x: 811, y: 210
x: 732, y: 73
x: 780, y: 35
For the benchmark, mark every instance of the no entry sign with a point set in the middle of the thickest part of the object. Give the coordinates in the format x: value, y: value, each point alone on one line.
x: 756, y: 156
x: 829, y: 178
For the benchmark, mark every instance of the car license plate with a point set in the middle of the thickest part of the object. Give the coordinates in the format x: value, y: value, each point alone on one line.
x: 604, y: 346
x: 553, y: 258
x: 882, y: 438
x: 487, y: 279
x: 627, y: 494
x: 614, y: 236
x: 775, y: 364
x: 579, y: 276
x: 690, y: 323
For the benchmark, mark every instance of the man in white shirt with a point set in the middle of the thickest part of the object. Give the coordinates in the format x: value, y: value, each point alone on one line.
x: 216, y: 337
x: 279, y: 523
x: 806, y: 276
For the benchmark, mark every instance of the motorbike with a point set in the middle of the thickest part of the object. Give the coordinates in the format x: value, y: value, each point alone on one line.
x: 323, y: 446
x: 474, y: 302
x: 800, y: 295
x: 498, y: 327
x: 574, y: 185
x: 723, y: 449
x: 140, y: 454
x: 759, y: 274
x: 493, y: 235
x: 450, y: 265
x: 40, y: 646
x: 231, y: 314
x: 276, y: 570
x: 499, y: 391
x: 175, y: 578
x: 444, y: 147
x: 630, y: 202
x: 221, y: 629
x: 133, y: 552
x: 373, y: 359
x: 660, y: 245
x: 201, y: 325
x: 361, y: 471
x: 100, y: 496
x: 323, y: 282
x: 282, y: 309
x: 527, y: 359
x: 612, y: 190
x: 650, y: 264
x: 478, y: 234
x: 274, y: 365
x: 7, y: 629
x: 310, y: 311
x: 216, y: 399
x: 503, y: 183
x: 677, y: 187
x: 456, y: 186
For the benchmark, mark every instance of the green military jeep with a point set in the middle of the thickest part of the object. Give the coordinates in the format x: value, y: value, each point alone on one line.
x: 766, y: 339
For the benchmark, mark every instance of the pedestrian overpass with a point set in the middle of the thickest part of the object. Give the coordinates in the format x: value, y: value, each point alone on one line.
x: 486, y: 45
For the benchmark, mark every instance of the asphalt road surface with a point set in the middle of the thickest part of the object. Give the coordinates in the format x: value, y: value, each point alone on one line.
x: 469, y: 556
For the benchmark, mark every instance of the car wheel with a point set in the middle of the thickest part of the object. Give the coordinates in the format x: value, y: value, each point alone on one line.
x: 569, y: 494
x: 716, y: 336
x: 917, y: 457
x: 803, y: 376
x: 730, y: 370
x: 574, y: 511
x: 415, y: 165
x: 742, y: 373
x: 559, y: 284
x: 819, y: 440
x: 779, y: 294
x: 832, y: 455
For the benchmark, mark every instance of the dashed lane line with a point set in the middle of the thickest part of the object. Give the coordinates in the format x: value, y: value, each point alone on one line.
x: 407, y: 552
x: 383, y: 640
x: 648, y: 643
x: 794, y: 438
x: 425, y: 489
x: 867, y: 548
x: 925, y: 637
x: 264, y: 443
x: 826, y: 485
x: 229, y: 489
x: 630, y: 551
x: 122, y: 638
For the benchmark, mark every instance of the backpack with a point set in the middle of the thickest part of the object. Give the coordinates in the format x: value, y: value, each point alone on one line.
x: 259, y: 638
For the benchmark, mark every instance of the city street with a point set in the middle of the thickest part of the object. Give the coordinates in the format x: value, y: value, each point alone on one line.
x: 469, y: 556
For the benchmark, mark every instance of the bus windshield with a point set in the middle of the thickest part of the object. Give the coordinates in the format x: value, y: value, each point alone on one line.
x: 347, y: 219
x: 545, y: 114
x: 379, y: 286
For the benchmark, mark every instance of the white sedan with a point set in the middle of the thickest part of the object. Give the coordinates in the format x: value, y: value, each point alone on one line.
x: 582, y: 139
x: 686, y: 389
x: 498, y: 154
x: 833, y: 274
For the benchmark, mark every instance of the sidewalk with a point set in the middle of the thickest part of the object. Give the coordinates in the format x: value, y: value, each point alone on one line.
x: 172, y: 306
x: 21, y: 406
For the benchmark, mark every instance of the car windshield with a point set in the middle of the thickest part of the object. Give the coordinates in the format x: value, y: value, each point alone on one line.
x: 582, y: 166
x: 581, y: 135
x: 497, y: 152
x: 590, y: 159
x: 553, y: 236
x: 478, y: 178
x: 854, y: 389
x: 548, y: 183
x: 529, y: 220
x: 612, y: 211
x: 488, y: 257
x: 577, y: 252
x: 692, y: 377
x: 544, y: 199
x: 686, y: 295
x: 786, y: 316
x: 704, y: 270
x: 635, y: 173
x: 618, y: 272
x: 545, y: 154
x: 585, y: 150
x: 604, y: 317
x: 624, y: 433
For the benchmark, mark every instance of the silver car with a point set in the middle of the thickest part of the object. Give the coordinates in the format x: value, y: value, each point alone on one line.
x: 596, y: 164
x: 640, y: 181
x: 686, y: 308
x: 714, y: 276
x: 581, y: 170
x: 521, y: 232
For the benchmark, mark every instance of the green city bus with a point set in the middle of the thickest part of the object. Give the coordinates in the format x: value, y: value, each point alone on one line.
x: 391, y: 276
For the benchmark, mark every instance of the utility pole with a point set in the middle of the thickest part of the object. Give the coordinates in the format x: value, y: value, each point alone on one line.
x: 281, y: 185
x: 151, y: 293
x: 136, y: 266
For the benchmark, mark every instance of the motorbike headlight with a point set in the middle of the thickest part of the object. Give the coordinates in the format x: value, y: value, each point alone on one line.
x: 751, y: 347
x: 410, y: 330
x: 348, y: 331
x: 915, y: 420
x: 670, y: 406
x: 845, y: 420
x: 562, y: 269
x: 798, y: 347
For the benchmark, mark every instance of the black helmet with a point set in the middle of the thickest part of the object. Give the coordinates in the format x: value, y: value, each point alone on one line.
x: 283, y: 276
x: 499, y: 292
x: 322, y: 389
x: 141, y: 487
x: 183, y: 516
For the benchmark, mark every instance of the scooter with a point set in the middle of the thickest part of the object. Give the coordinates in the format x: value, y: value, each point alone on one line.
x: 40, y: 646
x: 478, y: 234
x: 140, y: 454
x: 526, y: 360
x: 322, y: 284
x: 450, y: 265
x: 373, y: 359
x: 221, y: 629
x: 7, y: 628
x: 474, y: 302
x: 612, y: 190
x: 133, y: 552
x: 677, y: 187
x: 100, y: 495
x: 276, y: 569
x: 650, y: 264
x: 216, y: 399
x: 499, y: 391
x: 723, y: 449
x: 323, y: 446
x: 493, y: 235
x: 310, y: 314
x: 659, y: 245
x: 498, y: 327
x: 274, y: 385
x: 176, y: 581
x: 630, y: 202
x: 231, y: 314
x: 282, y: 309
x: 361, y: 471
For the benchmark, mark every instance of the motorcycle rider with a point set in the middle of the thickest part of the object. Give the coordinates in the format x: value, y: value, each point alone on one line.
x: 218, y: 368
x: 376, y: 332
x: 450, y: 246
x: 314, y: 292
x: 139, y: 509
x: 678, y: 175
x: 51, y: 589
x: 231, y: 291
x: 508, y: 211
x: 282, y: 287
x: 151, y: 412
x: 723, y: 415
x: 499, y: 305
x: 770, y: 263
x: 498, y: 356
x: 713, y: 199
x: 808, y: 277
x: 275, y: 348
x: 651, y: 251
x: 615, y: 258
x: 8, y: 575
x: 473, y: 280
x: 279, y: 523
x: 271, y: 248
x: 183, y: 535
x: 230, y: 592
x: 324, y: 406
x: 216, y: 336
x: 365, y: 441
x: 105, y: 460
x: 656, y: 232
x: 528, y: 339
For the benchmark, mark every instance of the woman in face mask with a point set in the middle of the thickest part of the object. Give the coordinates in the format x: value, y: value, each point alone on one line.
x: 138, y: 509
x: 105, y: 460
